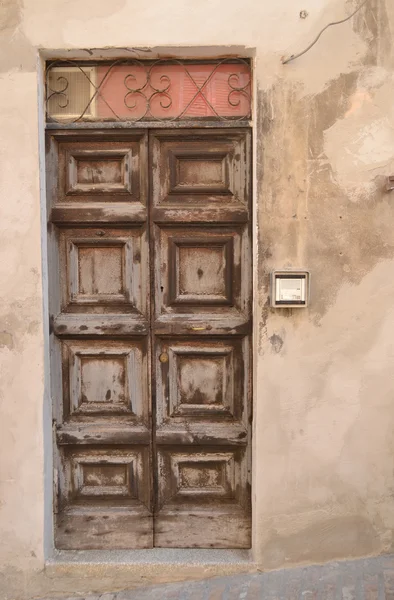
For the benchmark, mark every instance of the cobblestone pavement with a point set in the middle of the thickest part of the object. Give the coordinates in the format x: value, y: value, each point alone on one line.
x: 369, y: 579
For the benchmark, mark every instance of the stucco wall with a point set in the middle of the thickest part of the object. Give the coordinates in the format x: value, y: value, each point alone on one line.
x: 324, y: 416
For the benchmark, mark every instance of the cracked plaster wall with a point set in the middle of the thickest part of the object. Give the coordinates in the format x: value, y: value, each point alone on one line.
x: 324, y: 416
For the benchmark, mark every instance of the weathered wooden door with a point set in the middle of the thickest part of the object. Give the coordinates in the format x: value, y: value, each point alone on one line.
x: 151, y: 319
x: 200, y: 324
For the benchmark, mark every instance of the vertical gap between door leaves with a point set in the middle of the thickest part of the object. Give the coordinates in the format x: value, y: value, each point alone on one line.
x: 152, y: 256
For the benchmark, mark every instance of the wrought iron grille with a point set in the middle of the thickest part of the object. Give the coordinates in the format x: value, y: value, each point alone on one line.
x: 160, y: 90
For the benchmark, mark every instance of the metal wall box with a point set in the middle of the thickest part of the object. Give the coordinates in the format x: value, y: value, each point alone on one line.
x: 290, y: 289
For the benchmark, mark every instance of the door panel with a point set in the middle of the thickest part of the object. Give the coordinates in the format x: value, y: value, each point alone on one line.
x: 100, y: 177
x: 201, y: 390
x: 100, y: 306
x: 104, y: 500
x: 199, y: 175
x: 202, y: 317
x: 203, y: 501
x: 202, y: 271
x: 150, y: 302
x: 104, y: 270
x: 104, y: 379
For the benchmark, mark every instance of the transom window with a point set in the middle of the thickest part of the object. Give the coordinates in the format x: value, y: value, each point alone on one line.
x: 160, y: 90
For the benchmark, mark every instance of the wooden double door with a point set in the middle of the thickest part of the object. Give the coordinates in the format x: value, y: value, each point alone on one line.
x: 150, y: 302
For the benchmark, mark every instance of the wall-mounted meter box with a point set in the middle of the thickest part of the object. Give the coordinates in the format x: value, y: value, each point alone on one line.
x: 290, y: 288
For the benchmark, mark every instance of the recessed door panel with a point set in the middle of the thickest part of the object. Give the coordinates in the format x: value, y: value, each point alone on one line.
x: 105, y: 379
x: 202, y: 498
x: 104, y: 499
x: 98, y: 177
x: 104, y: 270
x: 202, y: 271
x: 199, y: 175
x: 202, y: 392
x: 101, y: 171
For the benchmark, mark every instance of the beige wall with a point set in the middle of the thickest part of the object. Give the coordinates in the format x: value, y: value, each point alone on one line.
x: 324, y: 414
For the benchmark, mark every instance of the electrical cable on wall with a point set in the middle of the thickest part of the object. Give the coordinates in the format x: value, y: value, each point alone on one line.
x: 285, y: 60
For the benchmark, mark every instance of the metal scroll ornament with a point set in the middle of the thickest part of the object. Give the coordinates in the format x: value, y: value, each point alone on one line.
x: 161, y: 90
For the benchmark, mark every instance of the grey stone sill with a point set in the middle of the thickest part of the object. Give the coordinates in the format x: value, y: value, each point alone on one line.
x: 157, y: 556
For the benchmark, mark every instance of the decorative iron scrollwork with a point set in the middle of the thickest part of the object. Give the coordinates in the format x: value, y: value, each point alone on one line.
x: 60, y: 94
x: 135, y: 90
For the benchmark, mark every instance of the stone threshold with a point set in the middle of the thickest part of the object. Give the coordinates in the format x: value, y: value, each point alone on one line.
x: 158, y: 562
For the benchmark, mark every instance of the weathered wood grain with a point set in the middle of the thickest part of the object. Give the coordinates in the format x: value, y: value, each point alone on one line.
x: 200, y: 228
x: 149, y: 237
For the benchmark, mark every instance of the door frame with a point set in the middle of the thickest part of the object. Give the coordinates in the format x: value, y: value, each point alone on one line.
x: 51, y: 372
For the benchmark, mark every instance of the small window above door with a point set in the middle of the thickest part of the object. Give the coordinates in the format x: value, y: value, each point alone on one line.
x: 160, y: 90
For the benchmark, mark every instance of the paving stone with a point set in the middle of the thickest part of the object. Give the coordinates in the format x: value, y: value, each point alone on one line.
x: 238, y: 591
x: 217, y: 591
x: 366, y: 579
x: 293, y: 584
x: 371, y: 587
x: 255, y: 588
x: 329, y: 588
x: 388, y: 577
x: 349, y: 581
x: 311, y: 583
